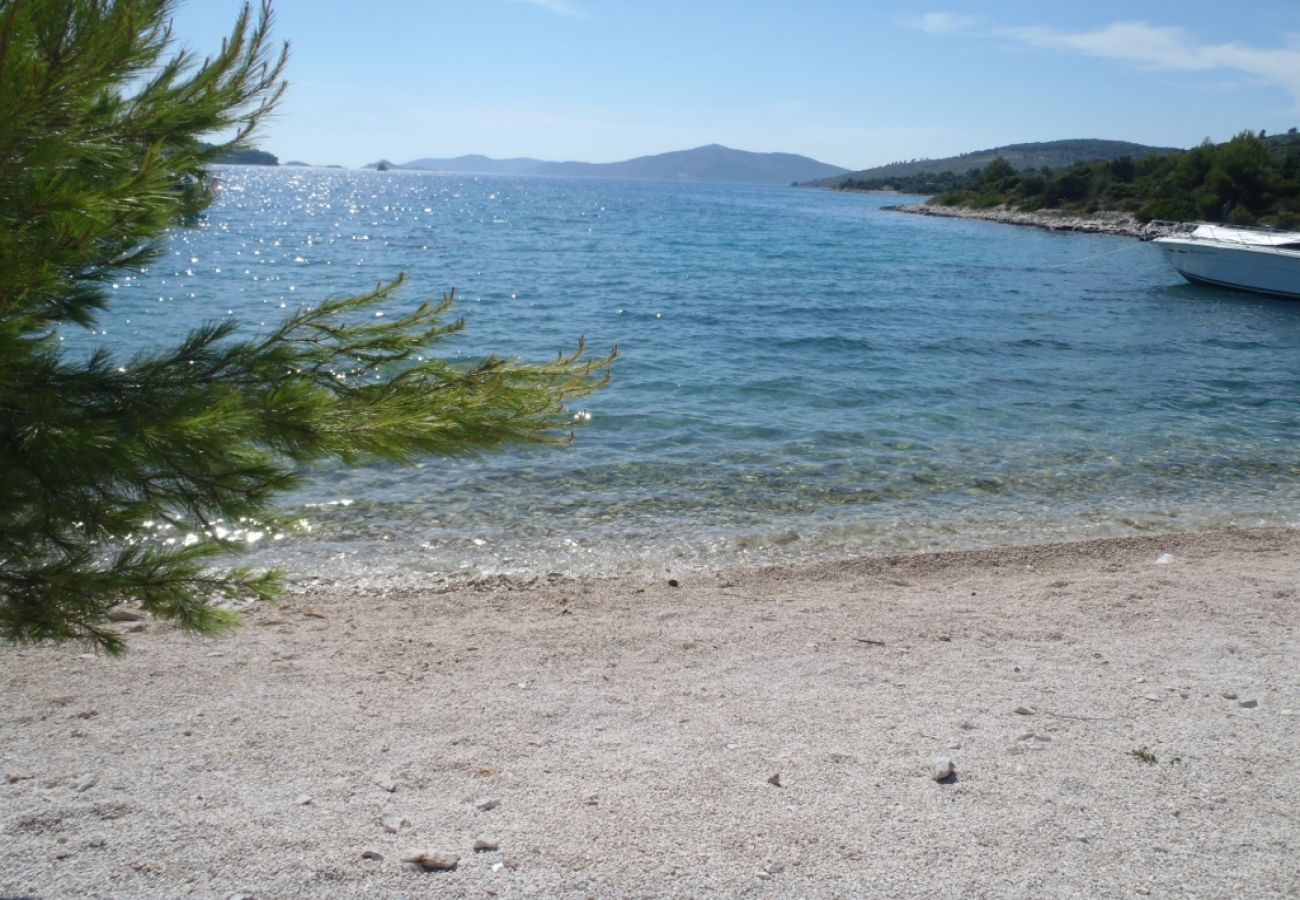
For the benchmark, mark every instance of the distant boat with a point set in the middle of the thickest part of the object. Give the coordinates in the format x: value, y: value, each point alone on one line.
x: 1246, y: 259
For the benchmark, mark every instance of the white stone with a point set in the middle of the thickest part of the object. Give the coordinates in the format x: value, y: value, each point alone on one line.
x: 487, y: 842
x: 486, y: 803
x: 394, y: 823
x: 940, y: 768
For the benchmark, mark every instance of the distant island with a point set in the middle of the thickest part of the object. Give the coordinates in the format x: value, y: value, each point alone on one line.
x: 249, y: 158
x: 711, y: 163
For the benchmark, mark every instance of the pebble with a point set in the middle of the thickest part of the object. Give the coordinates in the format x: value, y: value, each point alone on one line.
x: 775, y: 780
x: 487, y: 803
x: 1248, y: 704
x: 940, y: 768
x: 1026, y: 711
x: 85, y: 783
x: 395, y: 823
x: 1165, y: 559
x: 386, y: 783
x: 305, y: 800
x: 1152, y: 697
x: 123, y: 614
x: 1229, y: 695
x: 430, y: 860
x: 487, y: 842
x: 372, y: 854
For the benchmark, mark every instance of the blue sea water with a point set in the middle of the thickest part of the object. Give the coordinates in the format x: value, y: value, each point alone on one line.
x: 803, y: 374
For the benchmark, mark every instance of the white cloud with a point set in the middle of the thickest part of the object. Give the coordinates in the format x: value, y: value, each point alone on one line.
x: 560, y: 7
x: 939, y: 22
x: 1172, y: 49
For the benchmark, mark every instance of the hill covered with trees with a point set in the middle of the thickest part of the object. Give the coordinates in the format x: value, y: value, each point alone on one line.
x: 1252, y: 179
x: 943, y: 174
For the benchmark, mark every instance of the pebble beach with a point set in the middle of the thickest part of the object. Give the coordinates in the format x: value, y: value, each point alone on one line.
x: 1109, y: 718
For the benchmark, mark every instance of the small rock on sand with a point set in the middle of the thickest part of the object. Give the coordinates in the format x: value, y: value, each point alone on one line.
x: 487, y: 842
x: 941, y: 768
x: 430, y: 860
x: 486, y: 804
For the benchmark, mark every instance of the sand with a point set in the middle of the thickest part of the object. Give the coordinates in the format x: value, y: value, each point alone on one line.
x: 1123, y: 717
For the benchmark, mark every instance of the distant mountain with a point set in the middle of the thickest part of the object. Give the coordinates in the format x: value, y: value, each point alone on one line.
x: 249, y: 158
x: 712, y: 163
x: 474, y: 164
x: 1053, y: 154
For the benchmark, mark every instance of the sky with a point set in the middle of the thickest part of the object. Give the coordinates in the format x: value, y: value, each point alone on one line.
x: 855, y: 84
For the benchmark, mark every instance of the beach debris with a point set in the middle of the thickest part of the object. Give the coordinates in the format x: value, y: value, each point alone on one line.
x: 1248, y: 704
x: 486, y: 803
x: 1165, y: 559
x: 394, y: 823
x: 386, y: 783
x: 870, y: 641
x: 776, y: 780
x: 372, y: 854
x: 941, y: 768
x: 673, y: 582
x: 1026, y: 711
x: 486, y: 842
x: 430, y: 860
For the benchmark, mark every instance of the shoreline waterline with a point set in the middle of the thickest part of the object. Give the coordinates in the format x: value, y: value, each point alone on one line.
x: 1114, y: 223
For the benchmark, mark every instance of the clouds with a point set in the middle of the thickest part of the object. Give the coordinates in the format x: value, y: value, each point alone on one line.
x: 1154, y: 47
x: 559, y: 7
x: 939, y: 22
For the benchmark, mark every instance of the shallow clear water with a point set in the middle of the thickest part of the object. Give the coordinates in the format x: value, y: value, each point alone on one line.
x: 803, y: 374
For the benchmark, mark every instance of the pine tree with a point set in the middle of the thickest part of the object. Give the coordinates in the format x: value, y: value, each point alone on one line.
x: 101, y: 152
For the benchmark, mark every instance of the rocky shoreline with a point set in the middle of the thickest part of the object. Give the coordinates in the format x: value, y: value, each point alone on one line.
x: 1116, y: 223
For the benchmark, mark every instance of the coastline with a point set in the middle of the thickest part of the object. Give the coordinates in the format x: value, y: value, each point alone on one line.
x: 1121, y: 713
x: 1115, y: 223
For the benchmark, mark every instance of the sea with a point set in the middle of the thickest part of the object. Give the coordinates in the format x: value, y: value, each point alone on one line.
x: 803, y: 374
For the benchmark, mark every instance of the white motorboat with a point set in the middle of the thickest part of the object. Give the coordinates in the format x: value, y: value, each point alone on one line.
x: 1247, y: 259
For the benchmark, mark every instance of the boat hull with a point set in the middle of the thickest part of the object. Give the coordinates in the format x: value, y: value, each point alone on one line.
x: 1257, y: 269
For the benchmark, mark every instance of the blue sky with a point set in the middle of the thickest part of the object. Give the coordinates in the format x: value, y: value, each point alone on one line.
x: 851, y: 83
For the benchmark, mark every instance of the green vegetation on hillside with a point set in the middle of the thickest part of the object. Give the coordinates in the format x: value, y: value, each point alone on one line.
x: 909, y: 174
x: 1253, y: 179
